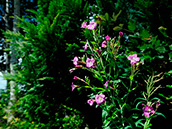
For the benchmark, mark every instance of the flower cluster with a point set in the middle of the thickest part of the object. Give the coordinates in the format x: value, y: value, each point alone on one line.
x: 89, y: 63
x: 101, y: 60
x: 99, y: 99
x: 91, y: 25
x: 149, y: 109
x: 133, y: 59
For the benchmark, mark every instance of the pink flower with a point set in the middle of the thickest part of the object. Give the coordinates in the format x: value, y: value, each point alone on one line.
x: 133, y: 59
x: 71, y: 70
x: 106, y: 83
x: 78, y: 66
x: 90, y: 102
x: 73, y: 86
x: 117, y: 47
x: 75, y: 60
x: 86, y: 46
x: 90, y: 62
x: 147, y: 110
x: 104, y: 44
x: 158, y: 104
x: 100, y: 98
x: 84, y: 25
x: 75, y: 78
x: 107, y: 38
x: 120, y: 33
x: 91, y: 25
x: 99, y: 51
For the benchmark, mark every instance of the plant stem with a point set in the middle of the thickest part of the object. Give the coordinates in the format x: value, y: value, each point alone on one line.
x: 146, y: 124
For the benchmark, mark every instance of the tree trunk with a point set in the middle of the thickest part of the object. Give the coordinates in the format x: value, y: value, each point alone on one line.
x: 13, y: 59
x: 6, y: 19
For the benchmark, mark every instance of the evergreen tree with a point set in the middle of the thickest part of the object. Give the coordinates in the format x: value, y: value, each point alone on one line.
x: 41, y: 76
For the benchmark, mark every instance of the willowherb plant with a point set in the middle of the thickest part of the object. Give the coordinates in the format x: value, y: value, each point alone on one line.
x: 100, y: 58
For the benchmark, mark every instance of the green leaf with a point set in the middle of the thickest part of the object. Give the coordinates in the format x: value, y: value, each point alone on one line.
x: 144, y: 34
x: 169, y: 86
x: 157, y: 43
x: 117, y: 28
x: 72, y: 47
x: 107, y: 16
x: 133, y: 36
x: 143, y: 47
x: 128, y: 127
x: 170, y: 72
x: 162, y: 95
x: 170, y: 46
x: 104, y: 114
x: 147, y: 57
x: 102, y: 17
x: 159, y: 114
x: 7, y: 49
x: 163, y: 31
x: 116, y: 16
x: 121, y: 25
x: 160, y: 57
x: 116, y: 81
x: 139, y: 122
x: 170, y: 55
x: 106, y: 124
x: 161, y: 49
x: 131, y: 25
x: 45, y: 78
x: 162, y: 28
x: 98, y: 88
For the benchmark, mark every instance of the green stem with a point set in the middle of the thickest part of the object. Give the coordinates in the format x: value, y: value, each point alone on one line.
x: 129, y: 90
x: 122, y: 115
x: 146, y: 124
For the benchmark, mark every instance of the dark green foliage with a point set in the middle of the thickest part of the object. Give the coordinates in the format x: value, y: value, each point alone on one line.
x: 42, y: 74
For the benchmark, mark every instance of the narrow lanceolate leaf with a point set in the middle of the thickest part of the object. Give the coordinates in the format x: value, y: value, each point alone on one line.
x: 55, y: 20
x: 117, y: 15
x: 107, y: 16
x: 7, y: 49
x: 45, y: 78
x: 117, y: 28
x: 160, y: 114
